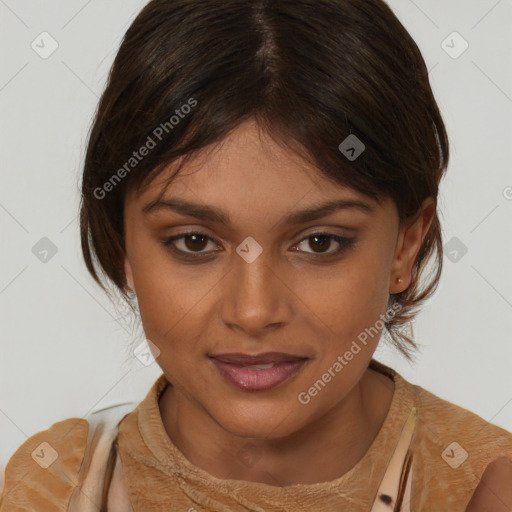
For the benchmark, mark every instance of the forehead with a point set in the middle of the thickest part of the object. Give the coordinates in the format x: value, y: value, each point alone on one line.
x: 251, y: 166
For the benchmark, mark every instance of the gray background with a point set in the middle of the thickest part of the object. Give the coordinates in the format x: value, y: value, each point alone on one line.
x: 65, y: 350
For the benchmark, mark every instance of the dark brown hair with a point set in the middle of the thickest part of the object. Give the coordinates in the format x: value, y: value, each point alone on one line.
x: 310, y: 72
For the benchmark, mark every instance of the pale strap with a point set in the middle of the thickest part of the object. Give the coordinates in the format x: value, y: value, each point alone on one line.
x: 118, y: 498
x: 88, y: 495
x: 398, y: 473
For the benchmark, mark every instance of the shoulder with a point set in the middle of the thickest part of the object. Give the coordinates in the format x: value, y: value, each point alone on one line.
x: 446, y: 420
x: 457, y: 451
x: 46, y: 464
x: 70, y: 454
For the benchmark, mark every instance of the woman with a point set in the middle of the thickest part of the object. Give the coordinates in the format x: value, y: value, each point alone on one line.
x: 261, y: 178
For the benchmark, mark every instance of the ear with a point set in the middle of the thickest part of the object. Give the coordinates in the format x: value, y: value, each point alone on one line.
x: 129, y: 273
x: 410, y: 239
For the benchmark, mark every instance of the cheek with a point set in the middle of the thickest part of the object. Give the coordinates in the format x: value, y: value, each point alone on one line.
x: 175, y: 304
x: 162, y: 296
x: 348, y: 301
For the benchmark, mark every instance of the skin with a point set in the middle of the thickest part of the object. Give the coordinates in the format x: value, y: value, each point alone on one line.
x: 494, y: 492
x: 283, y: 301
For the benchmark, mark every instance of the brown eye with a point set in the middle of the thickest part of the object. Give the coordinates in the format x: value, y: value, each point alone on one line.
x: 192, y: 245
x: 188, y: 243
x: 320, y: 243
x: 195, y: 242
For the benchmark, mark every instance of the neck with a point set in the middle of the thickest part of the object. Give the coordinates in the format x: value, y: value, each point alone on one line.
x: 322, y: 451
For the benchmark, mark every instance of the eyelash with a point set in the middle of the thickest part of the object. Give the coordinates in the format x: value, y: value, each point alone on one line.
x: 345, y: 244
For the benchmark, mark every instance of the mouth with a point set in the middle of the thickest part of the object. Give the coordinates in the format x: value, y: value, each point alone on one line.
x: 259, y: 372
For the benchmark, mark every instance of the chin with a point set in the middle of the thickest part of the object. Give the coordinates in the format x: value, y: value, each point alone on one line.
x: 260, y: 423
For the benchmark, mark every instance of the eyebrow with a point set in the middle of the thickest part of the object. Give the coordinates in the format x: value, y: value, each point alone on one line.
x: 219, y: 216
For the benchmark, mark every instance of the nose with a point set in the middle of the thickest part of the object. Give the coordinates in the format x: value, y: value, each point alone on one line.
x: 255, y: 297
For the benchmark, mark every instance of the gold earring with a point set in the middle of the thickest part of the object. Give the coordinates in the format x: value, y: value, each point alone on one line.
x: 399, y: 280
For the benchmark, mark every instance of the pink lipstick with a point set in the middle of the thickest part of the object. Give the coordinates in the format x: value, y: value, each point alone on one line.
x: 258, y: 372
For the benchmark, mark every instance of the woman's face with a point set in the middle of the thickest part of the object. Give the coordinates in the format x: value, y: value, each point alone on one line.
x: 253, y: 282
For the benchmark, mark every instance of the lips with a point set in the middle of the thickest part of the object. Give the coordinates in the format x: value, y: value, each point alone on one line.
x: 258, y: 377
x: 257, y: 372
x: 243, y: 360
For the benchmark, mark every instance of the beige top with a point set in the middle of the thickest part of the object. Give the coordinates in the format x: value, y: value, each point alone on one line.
x: 428, y: 456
